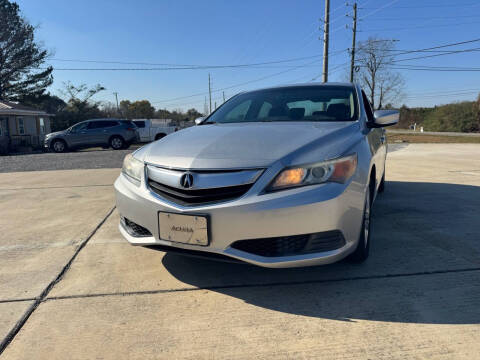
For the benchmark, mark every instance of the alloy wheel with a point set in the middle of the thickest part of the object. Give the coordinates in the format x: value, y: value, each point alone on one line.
x: 58, y: 146
x: 117, y: 143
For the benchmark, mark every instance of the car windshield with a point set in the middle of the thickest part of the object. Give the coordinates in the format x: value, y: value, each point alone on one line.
x: 299, y: 103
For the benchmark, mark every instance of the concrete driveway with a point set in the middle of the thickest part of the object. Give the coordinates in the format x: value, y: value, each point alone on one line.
x: 70, y: 287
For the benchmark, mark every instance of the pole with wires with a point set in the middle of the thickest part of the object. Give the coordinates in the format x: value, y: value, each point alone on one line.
x: 209, y: 94
x: 326, y: 30
x: 116, y: 98
x: 354, y: 35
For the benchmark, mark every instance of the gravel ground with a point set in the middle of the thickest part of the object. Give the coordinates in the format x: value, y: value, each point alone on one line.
x: 86, y: 159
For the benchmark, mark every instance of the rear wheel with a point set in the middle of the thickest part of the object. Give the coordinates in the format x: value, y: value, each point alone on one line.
x: 159, y: 136
x: 363, y: 248
x: 59, y: 146
x: 117, y: 143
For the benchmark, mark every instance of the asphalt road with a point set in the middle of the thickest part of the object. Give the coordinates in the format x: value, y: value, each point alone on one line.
x: 72, y: 288
x: 87, y: 159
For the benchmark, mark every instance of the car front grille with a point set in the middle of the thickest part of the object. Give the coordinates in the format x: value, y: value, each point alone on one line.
x: 134, y: 229
x: 198, y: 196
x: 292, y: 245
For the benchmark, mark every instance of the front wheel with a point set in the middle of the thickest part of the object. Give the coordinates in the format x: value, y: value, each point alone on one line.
x: 363, y: 248
x: 117, y: 143
x: 59, y: 146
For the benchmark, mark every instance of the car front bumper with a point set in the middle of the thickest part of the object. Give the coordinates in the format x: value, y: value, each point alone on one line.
x: 306, y: 210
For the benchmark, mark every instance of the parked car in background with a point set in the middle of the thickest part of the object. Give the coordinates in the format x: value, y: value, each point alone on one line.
x: 115, y: 133
x: 149, y: 131
x: 278, y: 177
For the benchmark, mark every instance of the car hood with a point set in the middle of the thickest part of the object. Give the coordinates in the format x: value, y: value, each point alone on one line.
x: 57, y: 133
x: 240, y: 145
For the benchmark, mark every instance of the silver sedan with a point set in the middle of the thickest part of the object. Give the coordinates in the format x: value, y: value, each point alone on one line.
x: 277, y: 177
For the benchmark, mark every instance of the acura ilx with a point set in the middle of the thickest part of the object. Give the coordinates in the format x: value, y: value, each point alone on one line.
x: 277, y: 177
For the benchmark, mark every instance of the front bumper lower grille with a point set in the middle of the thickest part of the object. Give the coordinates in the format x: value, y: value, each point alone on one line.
x: 292, y: 245
x: 199, y: 196
x: 134, y: 229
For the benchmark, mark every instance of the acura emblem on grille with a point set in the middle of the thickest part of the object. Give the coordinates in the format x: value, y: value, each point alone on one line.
x: 186, y: 180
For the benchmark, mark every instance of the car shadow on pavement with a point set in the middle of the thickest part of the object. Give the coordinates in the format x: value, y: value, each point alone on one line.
x: 424, y: 265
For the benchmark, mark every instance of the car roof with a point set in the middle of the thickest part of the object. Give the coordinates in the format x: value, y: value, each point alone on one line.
x: 308, y: 84
x: 106, y: 119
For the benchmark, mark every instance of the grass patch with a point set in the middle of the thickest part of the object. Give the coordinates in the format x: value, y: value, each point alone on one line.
x: 432, y: 139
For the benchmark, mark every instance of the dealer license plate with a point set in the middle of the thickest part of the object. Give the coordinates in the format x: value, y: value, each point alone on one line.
x: 185, y: 229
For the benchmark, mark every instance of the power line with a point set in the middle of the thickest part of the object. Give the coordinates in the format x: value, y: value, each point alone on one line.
x: 438, y: 47
x: 378, y: 9
x: 423, y: 26
x: 236, y: 85
x: 190, y: 65
x: 430, y: 6
x: 427, y: 18
x: 435, y: 55
x: 430, y: 69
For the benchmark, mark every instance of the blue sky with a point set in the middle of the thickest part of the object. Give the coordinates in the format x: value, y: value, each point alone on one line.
x: 215, y: 32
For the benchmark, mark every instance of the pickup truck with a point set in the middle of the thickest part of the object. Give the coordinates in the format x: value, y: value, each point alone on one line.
x: 149, y: 131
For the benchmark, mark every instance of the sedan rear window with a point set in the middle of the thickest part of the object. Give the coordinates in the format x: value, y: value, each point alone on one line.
x: 296, y: 103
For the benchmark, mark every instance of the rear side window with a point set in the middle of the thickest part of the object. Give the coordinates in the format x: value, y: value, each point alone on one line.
x: 102, y: 124
x: 140, y: 124
x: 128, y: 123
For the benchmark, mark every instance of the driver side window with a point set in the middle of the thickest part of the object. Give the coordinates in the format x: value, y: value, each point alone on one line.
x: 79, y: 127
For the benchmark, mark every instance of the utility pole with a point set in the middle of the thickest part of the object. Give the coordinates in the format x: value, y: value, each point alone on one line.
x: 352, y: 64
x: 224, y: 97
x: 116, y: 98
x: 210, y: 94
x: 205, y: 107
x: 326, y: 34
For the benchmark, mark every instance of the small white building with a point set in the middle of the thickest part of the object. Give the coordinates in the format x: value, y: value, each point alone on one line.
x: 21, y: 126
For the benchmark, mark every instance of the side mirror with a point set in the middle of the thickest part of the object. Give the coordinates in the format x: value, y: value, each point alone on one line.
x: 199, y: 120
x: 385, y: 118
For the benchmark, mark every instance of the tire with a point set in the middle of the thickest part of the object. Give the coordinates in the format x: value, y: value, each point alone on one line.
x: 381, y: 187
x: 363, y: 247
x: 117, y: 142
x: 159, y: 136
x: 59, y: 146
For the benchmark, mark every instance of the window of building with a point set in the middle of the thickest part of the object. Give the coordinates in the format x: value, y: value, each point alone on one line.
x: 21, y: 126
x: 41, y: 125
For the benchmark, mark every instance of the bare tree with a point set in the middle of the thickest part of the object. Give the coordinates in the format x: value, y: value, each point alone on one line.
x: 382, y: 84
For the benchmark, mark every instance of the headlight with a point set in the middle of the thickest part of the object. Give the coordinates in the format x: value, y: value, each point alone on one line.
x: 337, y: 170
x: 132, y: 168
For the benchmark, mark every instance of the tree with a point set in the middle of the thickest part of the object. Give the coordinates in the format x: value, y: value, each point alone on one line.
x: 382, y: 85
x: 80, y: 105
x: 109, y: 109
x: 49, y: 103
x: 137, y: 110
x: 20, y: 56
